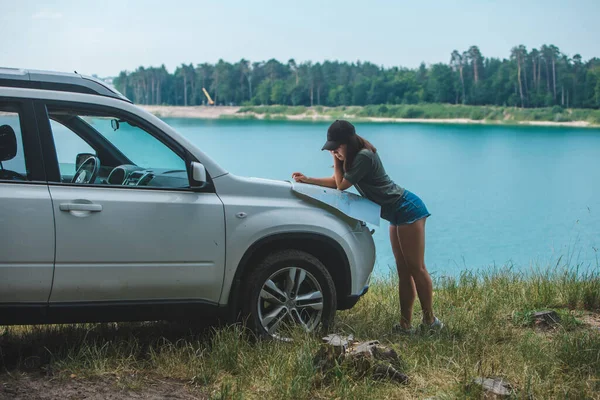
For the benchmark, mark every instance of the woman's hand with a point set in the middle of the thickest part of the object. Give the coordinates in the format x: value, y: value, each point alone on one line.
x: 336, y: 161
x: 326, y: 182
x: 300, y: 177
x: 338, y: 171
x: 338, y: 175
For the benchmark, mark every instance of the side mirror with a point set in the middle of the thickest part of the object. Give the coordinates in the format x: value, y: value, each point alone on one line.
x: 198, y: 175
x: 114, y: 123
x: 80, y: 158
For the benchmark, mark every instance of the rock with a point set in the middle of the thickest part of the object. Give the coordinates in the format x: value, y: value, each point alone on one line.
x: 546, y: 318
x: 362, y: 358
x: 494, y: 387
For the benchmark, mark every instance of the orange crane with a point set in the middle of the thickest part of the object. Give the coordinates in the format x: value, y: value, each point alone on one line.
x: 210, y: 101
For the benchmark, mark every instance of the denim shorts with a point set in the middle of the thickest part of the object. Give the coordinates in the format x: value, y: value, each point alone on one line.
x: 410, y: 208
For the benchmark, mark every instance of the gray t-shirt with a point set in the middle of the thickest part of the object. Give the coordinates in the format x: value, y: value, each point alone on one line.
x: 370, y: 179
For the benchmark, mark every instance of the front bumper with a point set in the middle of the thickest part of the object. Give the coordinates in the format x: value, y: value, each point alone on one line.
x: 360, y: 248
x: 350, y: 301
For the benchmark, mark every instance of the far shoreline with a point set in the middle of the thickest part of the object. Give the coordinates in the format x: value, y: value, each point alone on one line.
x: 312, y: 115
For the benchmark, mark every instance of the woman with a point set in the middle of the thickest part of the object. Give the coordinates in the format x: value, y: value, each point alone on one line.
x: 357, y: 163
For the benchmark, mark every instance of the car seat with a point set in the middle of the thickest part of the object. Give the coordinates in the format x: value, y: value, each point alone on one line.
x: 8, y: 151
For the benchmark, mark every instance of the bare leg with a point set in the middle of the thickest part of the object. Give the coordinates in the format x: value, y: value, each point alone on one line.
x: 406, y: 284
x: 412, y: 241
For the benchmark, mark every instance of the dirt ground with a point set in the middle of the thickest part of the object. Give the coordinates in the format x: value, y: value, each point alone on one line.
x: 39, y: 387
x: 591, y: 319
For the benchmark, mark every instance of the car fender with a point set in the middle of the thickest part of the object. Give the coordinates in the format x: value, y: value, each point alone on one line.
x: 257, y: 225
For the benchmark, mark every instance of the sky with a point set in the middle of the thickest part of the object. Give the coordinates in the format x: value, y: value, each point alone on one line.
x: 106, y: 37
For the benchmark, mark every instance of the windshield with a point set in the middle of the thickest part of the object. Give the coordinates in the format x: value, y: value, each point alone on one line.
x: 143, y: 149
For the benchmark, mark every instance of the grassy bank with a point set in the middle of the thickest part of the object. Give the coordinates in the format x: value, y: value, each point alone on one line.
x: 490, y: 332
x: 425, y: 112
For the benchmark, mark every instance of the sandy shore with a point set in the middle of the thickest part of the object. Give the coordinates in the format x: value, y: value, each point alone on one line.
x: 204, y: 112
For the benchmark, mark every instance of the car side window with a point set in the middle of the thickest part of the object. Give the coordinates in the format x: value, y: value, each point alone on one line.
x: 68, y: 146
x: 123, y: 152
x: 12, y: 156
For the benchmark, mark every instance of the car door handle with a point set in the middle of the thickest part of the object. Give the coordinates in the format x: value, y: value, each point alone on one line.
x: 80, y: 207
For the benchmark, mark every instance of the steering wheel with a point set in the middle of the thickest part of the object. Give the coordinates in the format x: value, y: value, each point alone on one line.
x: 87, y: 171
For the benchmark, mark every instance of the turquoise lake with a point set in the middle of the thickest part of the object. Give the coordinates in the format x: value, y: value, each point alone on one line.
x: 524, y: 197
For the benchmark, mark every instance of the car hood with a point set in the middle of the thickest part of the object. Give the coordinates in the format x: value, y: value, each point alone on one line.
x: 350, y: 204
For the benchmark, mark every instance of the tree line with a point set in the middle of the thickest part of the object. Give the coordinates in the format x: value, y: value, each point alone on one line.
x: 538, y: 78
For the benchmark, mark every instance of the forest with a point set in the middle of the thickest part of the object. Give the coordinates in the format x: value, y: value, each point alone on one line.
x: 543, y: 77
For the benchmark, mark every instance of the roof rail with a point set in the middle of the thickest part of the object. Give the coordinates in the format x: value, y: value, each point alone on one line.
x: 63, y: 82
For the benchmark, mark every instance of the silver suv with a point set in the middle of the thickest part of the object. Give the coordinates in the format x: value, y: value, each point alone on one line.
x: 107, y: 214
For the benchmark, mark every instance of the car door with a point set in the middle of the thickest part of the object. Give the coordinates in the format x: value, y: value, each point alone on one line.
x: 26, y: 216
x: 140, y: 234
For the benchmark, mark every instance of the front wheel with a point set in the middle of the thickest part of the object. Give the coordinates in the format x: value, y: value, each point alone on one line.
x: 289, y: 288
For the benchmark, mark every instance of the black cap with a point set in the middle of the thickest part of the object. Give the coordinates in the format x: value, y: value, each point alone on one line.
x: 338, y: 133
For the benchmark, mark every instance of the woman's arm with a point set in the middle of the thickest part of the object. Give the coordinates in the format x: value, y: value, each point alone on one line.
x: 326, y: 182
x: 338, y: 175
x: 337, y: 181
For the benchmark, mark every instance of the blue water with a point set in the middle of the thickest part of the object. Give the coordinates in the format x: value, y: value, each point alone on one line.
x: 499, y: 195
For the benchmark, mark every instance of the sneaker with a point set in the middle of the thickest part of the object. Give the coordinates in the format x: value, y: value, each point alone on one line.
x: 435, y: 326
x: 399, y: 329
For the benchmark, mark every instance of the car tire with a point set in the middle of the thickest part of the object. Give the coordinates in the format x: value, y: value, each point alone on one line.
x: 289, y: 287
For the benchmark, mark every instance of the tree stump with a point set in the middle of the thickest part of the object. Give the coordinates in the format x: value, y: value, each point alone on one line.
x: 362, y: 358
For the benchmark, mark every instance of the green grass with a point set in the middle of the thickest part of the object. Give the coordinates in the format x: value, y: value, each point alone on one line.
x: 428, y: 111
x: 489, y: 333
